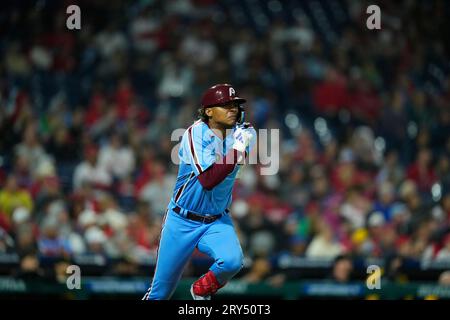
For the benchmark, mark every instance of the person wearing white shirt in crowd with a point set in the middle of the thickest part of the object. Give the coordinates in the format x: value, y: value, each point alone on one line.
x: 157, y: 190
x: 444, y: 253
x: 116, y: 158
x: 323, y: 244
x: 89, y: 171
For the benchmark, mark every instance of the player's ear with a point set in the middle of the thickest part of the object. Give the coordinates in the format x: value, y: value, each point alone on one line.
x: 209, y: 112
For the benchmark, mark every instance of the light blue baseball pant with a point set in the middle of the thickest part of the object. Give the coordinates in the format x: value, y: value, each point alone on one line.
x: 179, y: 237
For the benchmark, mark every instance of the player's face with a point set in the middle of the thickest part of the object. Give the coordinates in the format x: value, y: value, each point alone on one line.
x: 225, y: 115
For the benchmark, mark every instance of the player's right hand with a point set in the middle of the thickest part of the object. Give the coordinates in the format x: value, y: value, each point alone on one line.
x: 242, y: 138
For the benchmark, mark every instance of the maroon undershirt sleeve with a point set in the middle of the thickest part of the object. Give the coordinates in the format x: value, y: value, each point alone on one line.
x: 217, y: 172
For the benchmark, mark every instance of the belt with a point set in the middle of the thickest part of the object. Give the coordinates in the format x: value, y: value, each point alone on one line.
x: 197, y: 217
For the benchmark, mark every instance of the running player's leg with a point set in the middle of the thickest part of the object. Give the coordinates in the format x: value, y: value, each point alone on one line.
x: 178, y: 240
x: 221, y: 243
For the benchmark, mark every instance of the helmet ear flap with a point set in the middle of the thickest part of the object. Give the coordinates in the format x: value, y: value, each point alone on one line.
x: 241, y: 116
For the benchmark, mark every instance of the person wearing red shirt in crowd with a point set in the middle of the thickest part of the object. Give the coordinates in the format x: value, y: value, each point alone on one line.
x: 421, y: 171
x: 331, y: 95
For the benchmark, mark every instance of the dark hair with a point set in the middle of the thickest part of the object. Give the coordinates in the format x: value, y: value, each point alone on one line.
x: 342, y: 257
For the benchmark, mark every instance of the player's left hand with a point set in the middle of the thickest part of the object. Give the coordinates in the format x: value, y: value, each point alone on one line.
x: 242, y: 137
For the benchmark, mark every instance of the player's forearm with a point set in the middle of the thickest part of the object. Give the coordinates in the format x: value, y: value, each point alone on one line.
x: 216, y: 173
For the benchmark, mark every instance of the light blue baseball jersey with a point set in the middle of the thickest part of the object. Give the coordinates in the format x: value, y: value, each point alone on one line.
x: 200, y: 148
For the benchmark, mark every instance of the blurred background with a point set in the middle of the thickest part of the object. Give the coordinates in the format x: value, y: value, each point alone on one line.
x: 364, y: 116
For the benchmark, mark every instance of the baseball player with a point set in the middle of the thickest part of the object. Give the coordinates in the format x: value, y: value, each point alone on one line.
x: 211, y: 152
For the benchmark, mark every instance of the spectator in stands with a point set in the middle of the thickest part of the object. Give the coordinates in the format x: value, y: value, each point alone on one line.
x: 444, y: 279
x: 30, y: 148
x: 342, y: 269
x: 116, y: 157
x: 11, y: 197
x: 89, y: 171
x: 257, y: 228
x: 393, y: 122
x: 63, y: 145
x: 50, y: 242
x: 110, y: 40
x: 400, y: 217
x: 355, y: 208
x: 26, y: 239
x: 330, y: 96
x: 144, y: 29
x: 46, y: 186
x: 421, y: 172
x: 158, y: 188
x: 29, y: 268
x: 444, y: 254
x: 96, y: 240
x: 391, y: 170
x: 324, y: 244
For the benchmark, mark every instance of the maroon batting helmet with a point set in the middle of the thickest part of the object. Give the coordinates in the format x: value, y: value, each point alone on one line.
x: 220, y: 94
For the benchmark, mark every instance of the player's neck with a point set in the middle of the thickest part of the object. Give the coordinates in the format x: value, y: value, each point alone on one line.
x: 217, y: 128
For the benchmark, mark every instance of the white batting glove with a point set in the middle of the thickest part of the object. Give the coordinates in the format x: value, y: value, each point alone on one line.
x: 242, y: 139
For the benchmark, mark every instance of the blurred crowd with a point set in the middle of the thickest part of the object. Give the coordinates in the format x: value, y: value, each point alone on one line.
x: 86, y: 118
